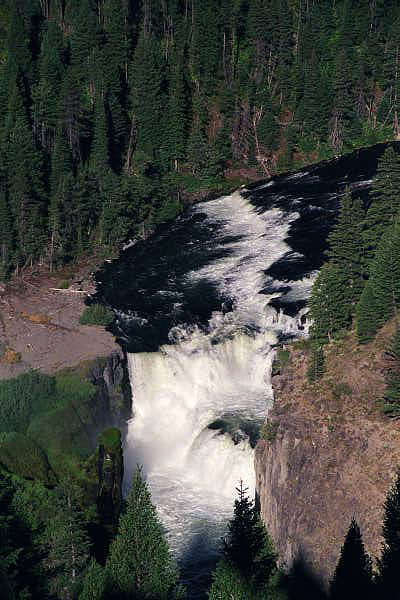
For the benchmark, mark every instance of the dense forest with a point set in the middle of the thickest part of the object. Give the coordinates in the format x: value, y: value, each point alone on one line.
x: 359, y: 285
x: 112, y: 110
x: 46, y: 551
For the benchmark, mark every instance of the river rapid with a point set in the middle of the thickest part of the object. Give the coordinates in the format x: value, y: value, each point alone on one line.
x: 201, y: 307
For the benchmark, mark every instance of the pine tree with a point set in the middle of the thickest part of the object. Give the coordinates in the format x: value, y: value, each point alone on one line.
x: 248, y: 546
x: 83, y: 40
x: 367, y: 312
x: 391, y: 403
x: 26, y: 193
x: 383, y: 286
x: 47, y: 89
x: 94, y: 583
x: 139, y: 563
x: 316, y: 362
x: 176, y: 126
x: 385, y: 202
x: 6, y: 237
x: 329, y: 304
x: 66, y: 542
x: 61, y: 208
x: 346, y: 247
x: 353, y: 574
x: 228, y: 584
x: 388, y: 564
x: 147, y: 95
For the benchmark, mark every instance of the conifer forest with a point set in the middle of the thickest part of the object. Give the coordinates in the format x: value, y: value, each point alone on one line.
x: 111, y: 109
x: 118, y: 118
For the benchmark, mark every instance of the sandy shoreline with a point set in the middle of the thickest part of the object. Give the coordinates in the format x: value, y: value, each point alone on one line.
x: 42, y: 325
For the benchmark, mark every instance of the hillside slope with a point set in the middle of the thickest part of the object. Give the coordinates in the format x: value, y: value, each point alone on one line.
x: 328, y: 455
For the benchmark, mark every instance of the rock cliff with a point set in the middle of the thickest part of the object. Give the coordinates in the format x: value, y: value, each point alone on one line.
x: 327, y: 454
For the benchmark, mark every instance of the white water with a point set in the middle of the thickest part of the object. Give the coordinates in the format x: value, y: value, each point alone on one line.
x: 181, y: 389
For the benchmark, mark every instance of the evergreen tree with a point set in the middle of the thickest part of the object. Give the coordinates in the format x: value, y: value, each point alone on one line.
x: 329, y: 305
x: 6, y: 237
x: 316, y: 362
x: 84, y: 40
x: 66, y: 542
x: 353, y: 573
x: 385, y: 201
x: 228, y: 583
x: 383, y: 286
x: 248, y: 547
x: 26, y: 193
x: 391, y: 404
x: 346, y: 248
x: 94, y: 583
x: 139, y: 563
x: 367, y: 315
x: 147, y: 95
x: 388, y: 564
x: 176, y: 126
x: 47, y: 89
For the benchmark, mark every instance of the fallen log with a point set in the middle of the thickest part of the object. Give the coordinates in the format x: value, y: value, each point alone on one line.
x: 68, y: 291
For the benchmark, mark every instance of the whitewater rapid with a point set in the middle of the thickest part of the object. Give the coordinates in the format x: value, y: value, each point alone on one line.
x: 194, y: 398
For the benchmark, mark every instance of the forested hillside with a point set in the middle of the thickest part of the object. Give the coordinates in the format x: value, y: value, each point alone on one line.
x: 110, y: 109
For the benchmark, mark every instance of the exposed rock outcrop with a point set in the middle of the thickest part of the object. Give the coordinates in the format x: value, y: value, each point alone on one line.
x: 113, y: 397
x: 328, y: 455
x: 110, y: 473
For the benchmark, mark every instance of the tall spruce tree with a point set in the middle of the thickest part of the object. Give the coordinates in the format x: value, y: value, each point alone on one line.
x: 388, y: 565
x: 6, y: 236
x: 46, y: 92
x: 140, y: 563
x: 346, y: 247
x: 94, y: 583
x: 26, y: 191
x: 383, y: 287
x: 385, y: 202
x: 353, y: 573
x: 66, y: 542
x: 248, y: 546
x: 228, y: 583
x: 146, y: 77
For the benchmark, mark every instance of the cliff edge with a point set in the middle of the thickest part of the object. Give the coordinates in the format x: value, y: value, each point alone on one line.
x: 327, y: 454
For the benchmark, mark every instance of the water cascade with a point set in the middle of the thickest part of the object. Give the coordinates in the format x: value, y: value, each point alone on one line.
x: 196, y: 399
x: 201, y: 308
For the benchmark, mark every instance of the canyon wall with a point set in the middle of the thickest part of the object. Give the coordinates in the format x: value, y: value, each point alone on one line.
x: 327, y: 455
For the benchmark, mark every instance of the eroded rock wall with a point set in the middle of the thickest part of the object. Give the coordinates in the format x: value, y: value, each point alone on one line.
x: 328, y: 455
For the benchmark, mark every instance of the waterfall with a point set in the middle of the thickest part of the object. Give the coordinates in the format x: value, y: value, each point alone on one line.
x: 201, y: 306
x: 198, y: 398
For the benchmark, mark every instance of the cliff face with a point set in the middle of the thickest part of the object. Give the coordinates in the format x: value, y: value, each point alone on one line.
x: 113, y: 395
x: 327, y: 455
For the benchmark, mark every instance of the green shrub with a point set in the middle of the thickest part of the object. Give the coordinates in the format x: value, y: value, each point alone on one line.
x: 269, y: 431
x: 97, y: 314
x: 24, y: 397
x: 341, y: 389
x: 64, y: 284
x: 110, y: 438
x: 57, y: 413
x: 23, y: 456
x: 63, y: 435
x: 282, y: 358
x: 73, y: 388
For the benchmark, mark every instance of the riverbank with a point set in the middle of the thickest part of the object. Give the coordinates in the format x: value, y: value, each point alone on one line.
x: 39, y: 320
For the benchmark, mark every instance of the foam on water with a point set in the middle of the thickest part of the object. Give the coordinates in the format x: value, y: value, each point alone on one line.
x: 202, y: 376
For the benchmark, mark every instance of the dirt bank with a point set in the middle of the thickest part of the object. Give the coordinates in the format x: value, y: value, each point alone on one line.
x: 39, y: 326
